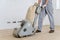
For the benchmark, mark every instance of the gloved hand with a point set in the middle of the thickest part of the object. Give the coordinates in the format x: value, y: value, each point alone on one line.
x: 43, y: 6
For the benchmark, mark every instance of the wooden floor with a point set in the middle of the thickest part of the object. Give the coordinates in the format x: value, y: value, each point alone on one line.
x: 44, y: 35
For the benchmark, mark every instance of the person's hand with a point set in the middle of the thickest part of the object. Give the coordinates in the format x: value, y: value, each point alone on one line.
x: 44, y: 6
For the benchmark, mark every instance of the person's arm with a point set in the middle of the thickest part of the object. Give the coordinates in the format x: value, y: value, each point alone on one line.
x: 46, y: 2
x: 39, y: 1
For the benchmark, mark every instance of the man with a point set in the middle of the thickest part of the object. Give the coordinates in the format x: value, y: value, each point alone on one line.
x: 47, y: 9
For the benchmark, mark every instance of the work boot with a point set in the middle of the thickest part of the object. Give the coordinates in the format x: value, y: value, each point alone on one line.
x: 51, y: 31
x: 38, y: 31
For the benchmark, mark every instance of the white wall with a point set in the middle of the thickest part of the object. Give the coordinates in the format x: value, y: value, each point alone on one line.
x: 15, y: 10
x: 57, y: 4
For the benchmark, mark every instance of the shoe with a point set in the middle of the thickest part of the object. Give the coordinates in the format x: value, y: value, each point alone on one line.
x: 38, y: 31
x: 51, y: 31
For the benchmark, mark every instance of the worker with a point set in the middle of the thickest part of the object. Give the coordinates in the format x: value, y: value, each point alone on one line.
x: 47, y: 9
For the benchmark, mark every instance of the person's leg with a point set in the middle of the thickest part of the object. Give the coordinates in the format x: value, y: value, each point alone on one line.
x: 40, y: 20
x: 51, y: 19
